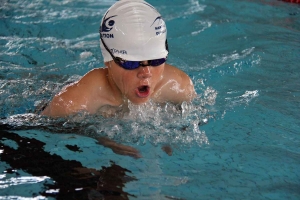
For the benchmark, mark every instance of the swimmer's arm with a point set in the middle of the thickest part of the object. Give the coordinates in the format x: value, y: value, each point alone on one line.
x: 119, y: 148
x: 80, y: 96
x: 67, y: 102
x: 178, y: 86
x: 187, y: 87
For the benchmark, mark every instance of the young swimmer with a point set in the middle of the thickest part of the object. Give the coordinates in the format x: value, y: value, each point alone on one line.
x: 135, y: 49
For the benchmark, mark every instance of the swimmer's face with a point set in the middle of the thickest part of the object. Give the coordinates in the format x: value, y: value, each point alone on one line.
x: 138, y: 85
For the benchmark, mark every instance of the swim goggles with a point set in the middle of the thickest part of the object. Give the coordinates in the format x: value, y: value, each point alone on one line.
x: 130, y: 65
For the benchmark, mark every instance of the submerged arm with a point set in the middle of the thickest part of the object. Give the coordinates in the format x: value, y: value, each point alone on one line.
x: 119, y: 148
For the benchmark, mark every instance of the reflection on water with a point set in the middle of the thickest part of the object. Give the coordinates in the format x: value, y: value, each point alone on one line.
x: 69, y: 179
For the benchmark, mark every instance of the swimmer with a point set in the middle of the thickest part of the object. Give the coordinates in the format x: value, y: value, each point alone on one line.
x: 133, y: 42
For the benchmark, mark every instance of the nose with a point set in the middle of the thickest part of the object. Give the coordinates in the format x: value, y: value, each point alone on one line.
x: 144, y: 72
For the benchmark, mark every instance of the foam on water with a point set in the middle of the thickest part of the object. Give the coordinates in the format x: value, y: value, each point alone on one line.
x: 150, y: 122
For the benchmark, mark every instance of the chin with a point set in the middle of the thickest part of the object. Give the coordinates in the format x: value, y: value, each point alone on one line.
x: 139, y: 101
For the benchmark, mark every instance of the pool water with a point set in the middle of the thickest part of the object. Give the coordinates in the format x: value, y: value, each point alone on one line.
x: 239, y: 139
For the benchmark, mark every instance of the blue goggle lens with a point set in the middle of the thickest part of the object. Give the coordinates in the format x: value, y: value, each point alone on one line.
x: 135, y: 64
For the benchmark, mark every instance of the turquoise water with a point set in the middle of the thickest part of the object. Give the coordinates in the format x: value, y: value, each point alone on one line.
x: 239, y: 139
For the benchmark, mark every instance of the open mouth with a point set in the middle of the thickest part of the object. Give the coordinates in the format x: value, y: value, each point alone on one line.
x: 143, y: 91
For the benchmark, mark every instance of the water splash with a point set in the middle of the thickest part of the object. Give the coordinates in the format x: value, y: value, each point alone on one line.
x: 154, y: 123
x: 241, y: 99
x: 150, y: 122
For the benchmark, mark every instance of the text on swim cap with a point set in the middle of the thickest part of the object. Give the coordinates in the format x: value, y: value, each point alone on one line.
x: 107, y: 35
x: 161, y: 32
x: 160, y: 27
x: 116, y: 51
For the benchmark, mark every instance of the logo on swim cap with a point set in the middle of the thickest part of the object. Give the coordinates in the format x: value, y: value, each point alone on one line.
x: 160, y: 26
x: 133, y: 30
x: 157, y: 18
x: 107, y: 24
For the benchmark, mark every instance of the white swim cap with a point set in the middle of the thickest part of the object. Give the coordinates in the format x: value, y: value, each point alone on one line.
x: 133, y: 30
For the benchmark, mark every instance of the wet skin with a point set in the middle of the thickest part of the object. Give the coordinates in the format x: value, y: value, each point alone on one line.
x: 114, y: 86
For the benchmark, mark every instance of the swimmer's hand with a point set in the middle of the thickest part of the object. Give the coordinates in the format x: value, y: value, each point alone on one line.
x: 119, y: 148
x: 167, y: 149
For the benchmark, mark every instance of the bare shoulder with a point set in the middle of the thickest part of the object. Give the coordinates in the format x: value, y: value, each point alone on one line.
x: 95, y: 76
x: 176, y: 86
x: 176, y: 73
x: 89, y: 83
x: 85, y: 95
